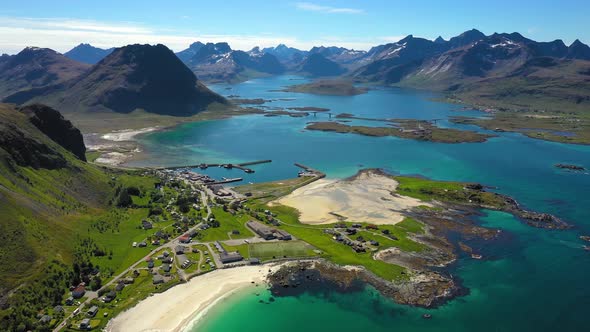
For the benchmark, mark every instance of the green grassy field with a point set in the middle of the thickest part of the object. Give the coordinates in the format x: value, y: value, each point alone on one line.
x: 453, y: 192
x: 228, y: 223
x: 269, y: 191
x: 335, y: 251
x: 287, y: 249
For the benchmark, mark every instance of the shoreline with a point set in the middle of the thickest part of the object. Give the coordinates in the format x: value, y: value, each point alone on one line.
x: 184, y: 305
x: 118, y: 147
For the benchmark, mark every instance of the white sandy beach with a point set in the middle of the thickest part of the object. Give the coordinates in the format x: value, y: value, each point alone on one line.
x: 127, y: 135
x: 366, y: 198
x: 116, y: 147
x: 177, y: 307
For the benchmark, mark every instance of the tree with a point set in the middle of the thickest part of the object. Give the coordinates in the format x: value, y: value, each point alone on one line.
x: 133, y: 191
x: 124, y: 199
x: 96, y: 283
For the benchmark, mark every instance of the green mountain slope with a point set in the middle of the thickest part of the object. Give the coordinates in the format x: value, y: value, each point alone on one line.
x: 61, y: 218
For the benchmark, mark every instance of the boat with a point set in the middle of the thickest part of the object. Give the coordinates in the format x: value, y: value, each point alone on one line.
x: 476, y: 256
x: 427, y: 316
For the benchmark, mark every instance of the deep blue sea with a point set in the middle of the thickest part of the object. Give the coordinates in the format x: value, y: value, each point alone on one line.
x: 537, y: 280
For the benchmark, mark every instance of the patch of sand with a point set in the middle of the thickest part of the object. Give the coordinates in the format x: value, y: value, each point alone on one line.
x: 127, y: 134
x: 365, y: 198
x: 182, y: 305
x: 117, y: 147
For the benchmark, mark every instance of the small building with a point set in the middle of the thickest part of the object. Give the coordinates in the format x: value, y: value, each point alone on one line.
x: 166, y: 254
x: 45, y: 319
x: 128, y: 280
x: 58, y: 309
x: 70, y: 300
x: 254, y: 261
x: 282, y: 235
x: 184, y: 239
x: 166, y: 267
x: 119, y: 287
x: 230, y: 257
x: 142, y: 244
x: 262, y: 230
x: 150, y: 265
x: 92, y: 311
x: 146, y: 225
x: 85, y: 324
x: 350, y: 231
x: 78, y: 292
x: 109, y: 297
x: 157, y: 279
x: 179, y: 250
x: 374, y: 243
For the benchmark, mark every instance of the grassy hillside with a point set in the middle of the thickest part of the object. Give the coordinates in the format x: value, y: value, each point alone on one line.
x: 61, y: 218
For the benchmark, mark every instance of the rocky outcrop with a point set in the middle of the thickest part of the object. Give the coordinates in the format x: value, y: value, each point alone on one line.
x: 60, y: 130
x: 570, y: 167
x: 26, y: 150
x: 424, y: 289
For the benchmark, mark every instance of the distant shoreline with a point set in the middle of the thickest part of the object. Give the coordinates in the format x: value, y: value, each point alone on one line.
x: 118, y: 147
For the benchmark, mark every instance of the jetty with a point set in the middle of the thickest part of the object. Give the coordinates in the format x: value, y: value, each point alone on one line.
x: 308, y: 171
x: 225, y: 181
x: 240, y: 166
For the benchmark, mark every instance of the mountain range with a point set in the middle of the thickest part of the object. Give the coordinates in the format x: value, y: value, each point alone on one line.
x: 36, y: 67
x: 471, y: 66
x: 133, y: 77
x: 87, y: 53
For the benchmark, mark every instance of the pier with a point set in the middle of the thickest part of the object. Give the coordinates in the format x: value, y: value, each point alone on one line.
x: 241, y: 166
x: 225, y: 181
x: 308, y: 171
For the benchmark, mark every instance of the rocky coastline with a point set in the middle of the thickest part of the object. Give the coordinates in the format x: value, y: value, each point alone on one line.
x: 422, y: 288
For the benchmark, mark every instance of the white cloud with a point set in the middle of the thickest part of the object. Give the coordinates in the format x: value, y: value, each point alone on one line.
x: 327, y: 9
x: 63, y: 34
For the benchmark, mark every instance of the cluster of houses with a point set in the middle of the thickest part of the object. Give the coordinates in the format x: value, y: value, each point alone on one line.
x: 268, y: 233
x: 187, y: 237
x: 341, y: 234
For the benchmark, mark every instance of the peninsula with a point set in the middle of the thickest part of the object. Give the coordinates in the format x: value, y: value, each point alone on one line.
x: 328, y: 87
x: 405, y: 128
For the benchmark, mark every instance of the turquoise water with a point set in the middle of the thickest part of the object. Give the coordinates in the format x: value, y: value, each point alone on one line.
x: 534, y: 280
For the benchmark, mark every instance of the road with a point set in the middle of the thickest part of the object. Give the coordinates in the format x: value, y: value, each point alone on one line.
x: 170, y: 245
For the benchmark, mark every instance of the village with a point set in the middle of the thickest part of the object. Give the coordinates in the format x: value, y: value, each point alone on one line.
x: 200, y: 226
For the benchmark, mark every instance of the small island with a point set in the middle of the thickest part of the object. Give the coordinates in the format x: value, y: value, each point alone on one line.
x: 548, y: 127
x: 405, y: 128
x: 570, y: 167
x: 328, y: 87
x: 309, y: 109
x: 246, y: 101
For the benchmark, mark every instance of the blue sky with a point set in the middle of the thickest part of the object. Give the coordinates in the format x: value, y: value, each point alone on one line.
x: 359, y: 24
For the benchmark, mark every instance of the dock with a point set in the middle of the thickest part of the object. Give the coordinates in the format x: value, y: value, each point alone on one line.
x: 225, y: 181
x: 241, y: 166
x: 308, y: 171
